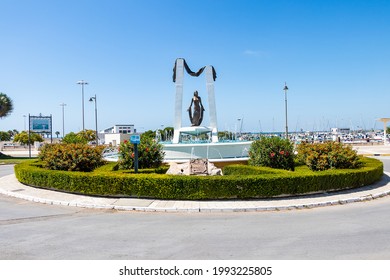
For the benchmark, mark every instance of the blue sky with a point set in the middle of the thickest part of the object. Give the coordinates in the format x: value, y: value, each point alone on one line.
x: 334, y: 56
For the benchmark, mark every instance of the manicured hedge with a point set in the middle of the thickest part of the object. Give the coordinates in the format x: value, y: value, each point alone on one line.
x: 238, y: 182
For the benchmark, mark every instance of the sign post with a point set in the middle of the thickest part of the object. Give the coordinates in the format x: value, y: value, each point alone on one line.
x: 135, y: 139
x: 39, y: 124
x: 29, y: 144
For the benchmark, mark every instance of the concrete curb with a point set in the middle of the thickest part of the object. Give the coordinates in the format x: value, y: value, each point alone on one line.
x: 10, y: 186
x: 375, y: 155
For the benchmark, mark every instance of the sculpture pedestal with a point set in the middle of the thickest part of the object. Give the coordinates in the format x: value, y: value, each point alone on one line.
x: 196, y: 131
x: 213, y: 151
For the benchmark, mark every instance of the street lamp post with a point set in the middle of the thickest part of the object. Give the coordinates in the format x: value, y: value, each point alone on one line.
x: 241, y: 120
x: 24, y: 116
x: 285, y: 102
x: 238, y: 128
x: 96, y: 126
x: 82, y: 83
x: 63, y: 119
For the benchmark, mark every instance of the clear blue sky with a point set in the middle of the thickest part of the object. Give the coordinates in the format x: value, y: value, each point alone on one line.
x: 334, y: 56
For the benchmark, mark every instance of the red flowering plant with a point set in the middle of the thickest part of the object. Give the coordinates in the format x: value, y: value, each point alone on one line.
x: 272, y: 152
x: 150, y: 154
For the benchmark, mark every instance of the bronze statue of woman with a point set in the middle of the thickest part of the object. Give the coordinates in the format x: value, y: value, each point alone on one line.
x: 197, y: 116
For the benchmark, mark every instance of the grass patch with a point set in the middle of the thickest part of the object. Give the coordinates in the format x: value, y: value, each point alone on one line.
x: 6, y: 159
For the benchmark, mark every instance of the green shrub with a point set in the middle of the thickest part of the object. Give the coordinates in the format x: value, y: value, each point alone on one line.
x: 24, y: 139
x: 71, y: 157
x: 101, y: 181
x: 113, y: 166
x: 329, y: 155
x: 73, y: 138
x: 81, y: 137
x: 272, y: 152
x: 150, y: 154
x: 239, y: 169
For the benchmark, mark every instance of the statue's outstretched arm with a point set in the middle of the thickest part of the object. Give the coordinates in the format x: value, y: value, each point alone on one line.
x: 201, y: 104
x: 189, y: 108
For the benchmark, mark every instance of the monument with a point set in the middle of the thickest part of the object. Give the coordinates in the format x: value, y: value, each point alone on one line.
x: 197, y: 140
x: 195, y: 129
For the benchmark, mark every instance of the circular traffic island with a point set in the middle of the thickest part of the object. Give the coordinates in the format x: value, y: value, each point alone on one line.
x: 238, y: 181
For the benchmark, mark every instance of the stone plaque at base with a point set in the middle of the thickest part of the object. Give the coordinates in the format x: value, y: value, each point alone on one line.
x: 199, y: 167
x: 194, y: 167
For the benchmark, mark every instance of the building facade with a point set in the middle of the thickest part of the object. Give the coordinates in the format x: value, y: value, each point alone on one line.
x: 120, y: 128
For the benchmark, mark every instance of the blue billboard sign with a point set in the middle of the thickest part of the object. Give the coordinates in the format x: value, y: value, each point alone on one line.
x: 135, y: 139
x: 40, y: 124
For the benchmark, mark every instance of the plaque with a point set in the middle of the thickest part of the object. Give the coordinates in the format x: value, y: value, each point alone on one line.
x: 198, y: 167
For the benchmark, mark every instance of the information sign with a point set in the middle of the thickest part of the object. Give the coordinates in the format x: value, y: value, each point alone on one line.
x: 135, y: 139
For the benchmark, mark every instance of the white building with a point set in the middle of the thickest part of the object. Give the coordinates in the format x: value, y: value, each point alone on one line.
x: 117, y: 134
x: 120, y: 128
x: 114, y: 139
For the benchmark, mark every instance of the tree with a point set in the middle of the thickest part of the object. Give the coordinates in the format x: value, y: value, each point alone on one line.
x: 5, y: 136
x: 149, y: 134
x: 82, y: 137
x: 167, y: 133
x: 225, y: 135
x: 6, y: 105
x: 57, y: 133
x: 13, y: 132
x: 22, y: 138
x: 88, y: 135
x: 70, y: 138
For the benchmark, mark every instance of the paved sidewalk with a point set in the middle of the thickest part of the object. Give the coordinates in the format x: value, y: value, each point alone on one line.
x: 10, y: 186
x: 373, y: 150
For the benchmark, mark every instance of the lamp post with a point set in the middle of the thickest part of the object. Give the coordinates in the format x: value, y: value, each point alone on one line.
x: 96, y: 127
x: 63, y: 119
x: 285, y: 102
x: 239, y: 123
x: 24, y: 116
x: 241, y: 120
x: 82, y: 83
x: 235, y: 129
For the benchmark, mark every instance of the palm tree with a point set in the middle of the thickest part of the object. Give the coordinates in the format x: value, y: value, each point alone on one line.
x: 6, y: 105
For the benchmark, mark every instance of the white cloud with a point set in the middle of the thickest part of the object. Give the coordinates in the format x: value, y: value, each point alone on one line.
x: 254, y: 53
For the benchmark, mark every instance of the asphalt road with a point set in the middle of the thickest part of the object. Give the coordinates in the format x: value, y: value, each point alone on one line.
x: 38, y: 231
